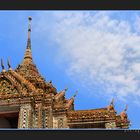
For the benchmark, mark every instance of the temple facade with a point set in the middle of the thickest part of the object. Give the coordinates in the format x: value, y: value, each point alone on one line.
x: 27, y: 100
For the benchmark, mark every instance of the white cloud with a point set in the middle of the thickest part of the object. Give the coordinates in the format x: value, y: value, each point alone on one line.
x: 137, y: 24
x: 101, y: 50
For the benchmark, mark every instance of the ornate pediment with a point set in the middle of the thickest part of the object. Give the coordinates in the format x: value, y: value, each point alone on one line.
x: 7, y: 89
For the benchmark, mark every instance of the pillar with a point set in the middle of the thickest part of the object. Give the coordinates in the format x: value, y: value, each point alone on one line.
x: 25, y: 116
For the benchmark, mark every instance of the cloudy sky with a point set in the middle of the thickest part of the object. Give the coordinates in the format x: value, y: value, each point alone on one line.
x: 94, y: 52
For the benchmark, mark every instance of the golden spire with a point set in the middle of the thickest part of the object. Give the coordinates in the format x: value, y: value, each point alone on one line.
x: 28, y: 54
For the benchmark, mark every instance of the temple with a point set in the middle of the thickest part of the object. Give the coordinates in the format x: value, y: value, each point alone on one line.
x: 27, y: 100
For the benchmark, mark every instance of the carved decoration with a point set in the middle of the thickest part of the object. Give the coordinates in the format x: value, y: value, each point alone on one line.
x: 60, y: 123
x: 6, y: 88
x: 25, y: 116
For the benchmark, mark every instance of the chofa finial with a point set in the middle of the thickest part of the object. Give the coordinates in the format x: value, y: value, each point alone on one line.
x: 9, y: 66
x: 2, y: 65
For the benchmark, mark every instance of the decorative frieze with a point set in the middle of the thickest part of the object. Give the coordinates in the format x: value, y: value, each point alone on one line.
x: 60, y: 122
x: 110, y: 125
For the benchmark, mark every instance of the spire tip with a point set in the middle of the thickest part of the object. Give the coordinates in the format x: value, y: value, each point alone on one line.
x: 29, y: 18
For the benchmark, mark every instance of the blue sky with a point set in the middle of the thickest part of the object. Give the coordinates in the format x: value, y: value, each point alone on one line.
x: 94, y: 52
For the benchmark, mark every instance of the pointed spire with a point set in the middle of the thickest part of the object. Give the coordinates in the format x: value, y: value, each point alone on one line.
x: 28, y: 54
x: 29, y: 34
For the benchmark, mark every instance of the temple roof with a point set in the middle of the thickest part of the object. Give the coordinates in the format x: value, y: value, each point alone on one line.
x: 26, y: 80
x: 27, y: 74
x: 100, y: 115
x: 97, y: 113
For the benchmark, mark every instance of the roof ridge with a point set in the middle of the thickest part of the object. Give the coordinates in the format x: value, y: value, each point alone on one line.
x: 28, y: 84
